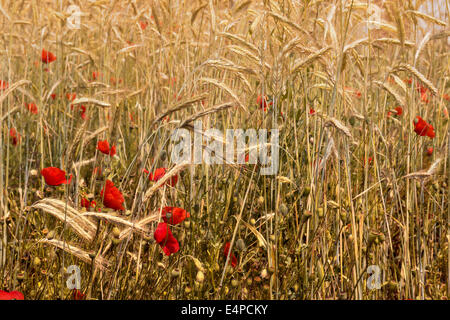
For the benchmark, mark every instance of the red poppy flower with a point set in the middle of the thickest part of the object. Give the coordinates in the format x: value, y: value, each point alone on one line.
x: 165, y: 239
x: 4, y: 85
x: 114, y: 81
x: 226, y: 249
x: 15, y: 136
x: 247, y: 157
x: 32, y: 108
x: 47, y: 56
x: 398, y: 111
x: 422, y: 128
x: 95, y: 75
x: 423, y: 93
x: 159, y: 173
x: 446, y: 96
x: 103, y: 147
x: 53, y: 95
x: 55, y: 176
x: 263, y: 102
x: 312, y: 111
x: 83, y: 112
x: 408, y: 81
x: 112, y: 197
x: 78, y: 295
x: 97, y: 171
x: 143, y: 25
x: 430, y: 151
x: 174, y: 215
x: 353, y: 91
x: 85, y: 203
x: 71, y: 96
x: 13, y: 295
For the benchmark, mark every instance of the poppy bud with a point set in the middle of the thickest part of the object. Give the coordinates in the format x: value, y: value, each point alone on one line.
x: 249, y: 281
x: 252, y: 221
x: 234, y: 283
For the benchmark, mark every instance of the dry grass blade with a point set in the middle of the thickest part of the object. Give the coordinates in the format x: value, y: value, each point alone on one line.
x: 116, y: 220
x: 223, y: 86
x: 140, y: 224
x: 13, y: 87
x: 228, y: 65
x: 427, y: 17
x: 262, y: 241
x: 391, y: 90
x: 211, y: 110
x: 425, y: 173
x: 309, y: 59
x: 84, y: 256
x: 175, y: 170
x: 239, y: 40
x: 180, y: 106
x: 196, y: 12
x: 94, y: 134
x: 418, y: 75
x: 330, y: 121
x: 92, y: 101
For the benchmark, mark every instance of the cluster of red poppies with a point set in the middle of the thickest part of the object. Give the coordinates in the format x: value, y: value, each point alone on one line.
x: 113, y: 199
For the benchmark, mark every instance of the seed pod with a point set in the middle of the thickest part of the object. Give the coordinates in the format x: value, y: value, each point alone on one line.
x: 200, y: 276
x: 175, y: 273
x: 283, y: 209
x: 252, y: 221
x: 343, y: 216
x: 240, y: 244
x: 306, y: 215
x: 234, y: 283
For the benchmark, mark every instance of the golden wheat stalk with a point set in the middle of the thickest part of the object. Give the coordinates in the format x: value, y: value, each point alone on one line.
x: 84, y: 256
x: 85, y: 228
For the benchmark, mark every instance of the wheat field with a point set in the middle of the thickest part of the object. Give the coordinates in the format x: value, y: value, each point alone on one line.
x: 93, y: 207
